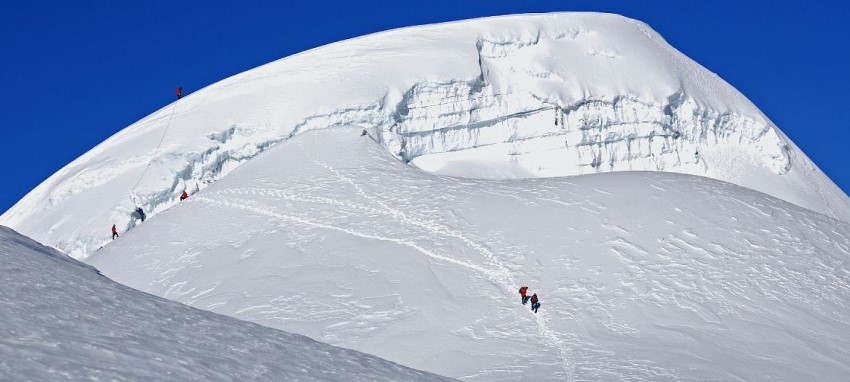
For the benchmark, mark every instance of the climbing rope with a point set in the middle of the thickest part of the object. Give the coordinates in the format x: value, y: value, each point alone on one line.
x: 161, y: 139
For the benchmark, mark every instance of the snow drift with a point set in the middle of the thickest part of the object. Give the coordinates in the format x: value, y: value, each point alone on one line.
x: 62, y: 320
x: 521, y: 96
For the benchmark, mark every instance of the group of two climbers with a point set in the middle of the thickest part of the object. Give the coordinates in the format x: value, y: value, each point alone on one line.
x: 139, y: 213
x: 535, y: 302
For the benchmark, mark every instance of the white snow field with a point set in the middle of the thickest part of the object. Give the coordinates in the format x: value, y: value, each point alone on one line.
x: 642, y: 275
x: 61, y: 320
x: 522, y: 96
x: 705, y: 246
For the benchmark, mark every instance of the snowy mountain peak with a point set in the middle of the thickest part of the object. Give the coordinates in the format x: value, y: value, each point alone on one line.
x: 339, y: 235
x: 507, y: 97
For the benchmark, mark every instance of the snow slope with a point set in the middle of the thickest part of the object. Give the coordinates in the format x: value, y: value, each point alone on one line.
x: 643, y: 276
x: 62, y: 320
x: 520, y: 96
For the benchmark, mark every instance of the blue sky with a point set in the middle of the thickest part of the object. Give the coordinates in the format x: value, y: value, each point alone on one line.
x: 72, y: 73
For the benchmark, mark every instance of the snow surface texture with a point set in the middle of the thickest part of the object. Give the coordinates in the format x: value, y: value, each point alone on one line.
x: 521, y: 96
x: 643, y: 276
x: 61, y: 320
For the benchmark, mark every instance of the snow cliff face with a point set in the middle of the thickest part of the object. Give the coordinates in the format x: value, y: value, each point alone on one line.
x: 62, y: 320
x: 524, y: 96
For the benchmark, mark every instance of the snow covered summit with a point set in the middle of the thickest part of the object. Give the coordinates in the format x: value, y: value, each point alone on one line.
x: 508, y: 97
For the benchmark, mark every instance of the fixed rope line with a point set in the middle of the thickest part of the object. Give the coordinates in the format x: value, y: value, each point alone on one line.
x: 156, y: 151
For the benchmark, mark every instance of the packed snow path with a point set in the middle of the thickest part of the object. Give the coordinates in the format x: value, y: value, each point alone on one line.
x: 498, y: 273
x: 62, y: 320
x: 642, y: 276
x: 501, y: 275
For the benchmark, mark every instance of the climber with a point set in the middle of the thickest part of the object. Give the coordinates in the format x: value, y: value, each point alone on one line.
x: 179, y: 92
x: 522, y: 292
x: 114, y: 232
x: 140, y: 214
x: 184, y: 196
x: 535, y: 303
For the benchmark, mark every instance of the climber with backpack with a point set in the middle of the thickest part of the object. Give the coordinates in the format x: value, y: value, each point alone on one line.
x: 535, y: 303
x: 139, y: 214
x: 522, y: 292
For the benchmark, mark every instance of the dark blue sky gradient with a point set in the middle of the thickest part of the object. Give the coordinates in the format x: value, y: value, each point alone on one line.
x: 72, y: 73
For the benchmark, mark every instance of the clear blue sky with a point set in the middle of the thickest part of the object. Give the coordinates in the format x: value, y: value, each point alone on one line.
x: 72, y: 73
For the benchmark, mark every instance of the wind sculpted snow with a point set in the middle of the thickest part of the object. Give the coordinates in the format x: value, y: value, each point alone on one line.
x: 522, y: 96
x: 642, y: 276
x: 62, y: 320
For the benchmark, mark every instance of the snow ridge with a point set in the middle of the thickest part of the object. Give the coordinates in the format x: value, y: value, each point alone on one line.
x: 62, y: 320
